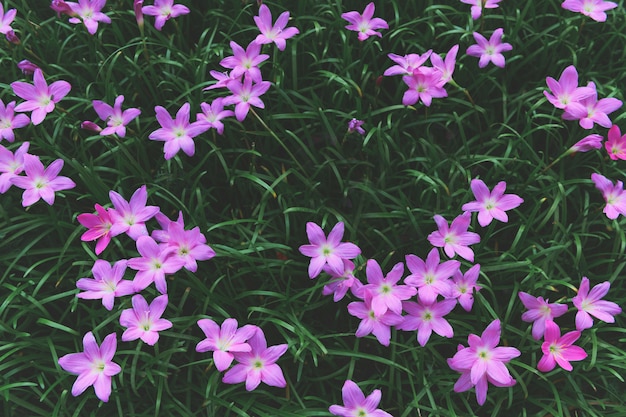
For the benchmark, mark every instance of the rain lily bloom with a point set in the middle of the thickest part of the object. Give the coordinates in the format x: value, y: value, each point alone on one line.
x: 223, y: 78
x: 354, y: 125
x: 425, y: 84
x: 153, y: 264
x: 222, y: 341
x: 616, y: 144
x: 11, y: 165
x: 464, y: 285
x: 138, y: 9
x: 258, y: 365
x: 588, y: 143
x: 276, y: 33
x: 89, y: 125
x: 177, y: 134
x: 212, y: 114
x: 27, y: 67
x: 341, y: 283
x: 363, y: 23
x: 566, y: 91
x: 454, y: 239
x: 106, y: 284
x: 6, y: 19
x: 590, y: 303
x: 379, y: 326
x: 559, y: 349
x: 356, y: 404
x: 90, y: 13
x: 245, y: 95
x: 491, y: 204
x: 164, y: 10
x: 426, y: 318
x: 9, y: 121
x: 329, y: 250
x: 614, y: 195
x: 40, y: 183
x: 479, y: 5
x: 245, y: 62
x: 188, y: 246
x: 144, y: 321
x: 590, y: 110
x: 593, y: 8
x: 40, y: 98
x: 431, y: 277
x: 99, y: 226
x: 114, y: 116
x: 489, y: 50
x: 540, y: 312
x: 386, y: 295
x: 483, y: 362
x: 94, y: 366
x: 62, y: 7
x: 130, y: 216
x: 407, y: 64
x: 446, y: 65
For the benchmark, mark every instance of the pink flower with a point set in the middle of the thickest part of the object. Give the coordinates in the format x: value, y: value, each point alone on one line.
x: 153, y: 264
x: 62, y: 7
x: 426, y: 318
x: 245, y: 62
x: 222, y: 341
x: 99, y: 227
x: 329, y: 250
x: 212, y: 115
x: 566, y: 90
x: 245, y: 95
x: 90, y: 12
x: 379, y: 326
x: 114, y: 116
x: 407, y: 64
x: 223, y: 79
x: 364, y: 24
x: 483, y: 362
x: 386, y: 295
x: 94, y: 366
x: 341, y: 283
x: 593, y: 8
x: 40, y: 183
x: 130, y: 216
x: 354, y: 125
x: 356, y: 404
x: 616, y: 144
x: 614, y: 195
x: 589, y: 142
x: 11, y: 165
x: 144, y: 321
x: 6, y: 19
x: 276, y: 33
x: 138, y: 9
x: 540, y: 312
x: 27, y: 67
x: 258, y: 365
x: 489, y: 50
x: 177, y: 134
x: 9, y: 121
x: 479, y: 5
x: 445, y: 66
x: 464, y: 286
x: 590, y: 110
x: 424, y: 84
x: 188, y: 246
x: 431, y: 277
x: 106, y: 284
x: 559, y: 349
x: 40, y: 98
x: 454, y: 239
x: 590, y: 303
x: 164, y: 10
x: 491, y: 205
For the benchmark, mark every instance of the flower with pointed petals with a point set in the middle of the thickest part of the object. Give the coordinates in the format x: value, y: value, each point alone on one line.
x: 222, y: 341
x: 483, y: 362
x: 223, y: 78
x: 427, y: 318
x: 424, y: 84
x: 188, y: 245
x: 130, y: 216
x: 491, y: 204
x: 356, y: 404
x: 566, y: 90
x: 588, y: 143
x: 454, y: 239
x: 40, y: 98
x: 446, y: 65
x: 144, y: 321
x: 431, y: 278
x: 559, y: 349
x: 614, y: 195
x: 212, y: 114
x: 590, y: 110
x: 245, y: 95
x: 386, y: 295
x: 6, y: 19
x: 407, y: 64
x: 593, y: 8
x: 616, y: 144
x: 258, y: 365
x: 9, y: 121
x: 164, y: 10
x: 464, y: 286
x: 245, y: 62
x: 479, y: 5
x: 11, y: 165
x: 90, y: 13
x: 99, y: 226
x: 329, y: 250
x: 153, y: 264
x: 276, y: 33
x: 590, y: 303
x: 341, y: 283
x: 40, y: 183
x: 114, y: 116
x: 177, y: 134
x: 540, y: 312
x: 94, y: 366
x: 363, y: 23
x: 489, y: 50
x: 379, y: 326
x: 106, y: 284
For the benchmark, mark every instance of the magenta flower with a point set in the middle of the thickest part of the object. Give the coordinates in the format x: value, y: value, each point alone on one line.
x: 483, y: 362
x: 276, y: 33
x: 341, y: 283
x: 130, y: 216
x: 40, y: 98
x: 363, y: 23
x: 114, y: 116
x: 153, y: 264
x: 588, y: 143
x: 590, y: 110
x: 223, y: 79
x: 431, y: 277
x: 9, y: 121
x: 40, y: 183
x: 61, y: 7
x: 27, y: 67
x: 566, y: 90
x: 138, y: 9
x: 94, y: 366
x: 106, y: 284
x: 213, y: 114
x: 479, y: 5
x: 425, y: 84
x: 188, y: 246
x: 164, y: 10
x: 6, y: 19
x: 222, y: 341
x: 329, y: 250
x: 379, y: 326
x: 559, y: 349
x: 90, y: 13
x: 245, y: 62
x: 177, y: 134
x: 454, y: 239
x: 593, y: 8
x: 407, y: 64
x: 426, y: 318
x: 356, y: 404
x: 245, y: 95
x: 616, y: 144
x: 464, y: 286
x: 258, y: 365
x: 354, y: 125
x: 99, y: 226
x: 489, y: 50
x: 144, y: 321
x: 590, y: 303
x: 614, y: 195
x: 386, y: 294
x: 491, y: 205
x: 446, y: 65
x: 540, y: 312
x: 11, y: 165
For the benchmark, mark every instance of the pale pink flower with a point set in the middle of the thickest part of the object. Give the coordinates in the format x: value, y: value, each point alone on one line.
x: 590, y: 110
x: 464, y: 286
x: 446, y: 65
x: 11, y: 165
x: 407, y: 64
x: 454, y: 239
x: 164, y: 10
x: 424, y: 84
x: 212, y: 114
x: 363, y: 23
x: 431, y: 278
x: 341, y: 283
x: 616, y: 144
x: 379, y: 326
x: 130, y: 217
x: 590, y: 303
x: 386, y: 294
x: 99, y: 226
x: 40, y: 98
x: 566, y: 90
x: 40, y: 182
x: 491, y: 204
x: 153, y: 264
x: 559, y: 349
x: 245, y: 95
x: 114, y: 116
x: 90, y: 13
x: 276, y: 33
x: 540, y: 312
x: 329, y: 250
x: 355, y: 403
x: 224, y: 341
x: 10, y: 121
x: 427, y: 318
x: 479, y: 5
x: 245, y: 62
x: 588, y: 143
x: 6, y: 19
x: 144, y: 321
x: 489, y: 50
x: 614, y: 195
x: 593, y: 8
x: 106, y: 284
x: 187, y: 245
x: 177, y: 133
